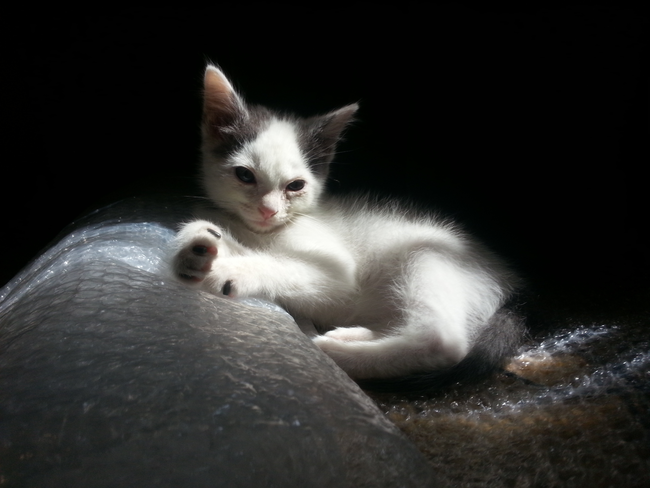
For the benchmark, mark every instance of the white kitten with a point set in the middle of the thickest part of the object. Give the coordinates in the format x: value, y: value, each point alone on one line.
x: 395, y: 293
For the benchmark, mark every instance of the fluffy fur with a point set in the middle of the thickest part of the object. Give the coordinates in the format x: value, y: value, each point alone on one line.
x: 394, y: 293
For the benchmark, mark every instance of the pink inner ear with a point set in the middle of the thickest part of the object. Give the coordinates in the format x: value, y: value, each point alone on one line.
x: 216, y: 83
x: 220, y: 102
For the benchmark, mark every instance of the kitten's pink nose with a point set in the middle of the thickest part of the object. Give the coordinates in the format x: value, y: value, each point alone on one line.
x: 266, y: 212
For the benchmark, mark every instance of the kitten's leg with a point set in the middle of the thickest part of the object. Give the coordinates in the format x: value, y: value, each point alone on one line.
x: 206, y: 257
x: 432, y: 332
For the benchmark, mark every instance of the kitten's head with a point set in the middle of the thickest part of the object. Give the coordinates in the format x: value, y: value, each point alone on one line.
x: 261, y: 166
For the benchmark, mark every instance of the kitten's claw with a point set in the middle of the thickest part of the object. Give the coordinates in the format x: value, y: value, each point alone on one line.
x: 227, y: 288
x: 214, y: 233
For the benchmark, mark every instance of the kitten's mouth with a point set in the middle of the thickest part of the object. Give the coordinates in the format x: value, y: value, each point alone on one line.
x: 263, y: 226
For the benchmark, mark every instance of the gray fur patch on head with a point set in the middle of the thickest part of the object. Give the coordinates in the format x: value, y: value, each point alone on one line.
x: 232, y: 138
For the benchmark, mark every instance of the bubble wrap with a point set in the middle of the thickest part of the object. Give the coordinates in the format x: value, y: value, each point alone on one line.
x: 113, y: 374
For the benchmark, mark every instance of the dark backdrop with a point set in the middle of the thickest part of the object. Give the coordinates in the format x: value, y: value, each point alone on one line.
x: 530, y: 127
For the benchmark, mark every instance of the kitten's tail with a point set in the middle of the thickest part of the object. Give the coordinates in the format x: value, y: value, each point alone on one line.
x: 493, y: 347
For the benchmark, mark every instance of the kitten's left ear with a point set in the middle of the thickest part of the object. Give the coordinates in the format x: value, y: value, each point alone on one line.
x: 323, y: 133
x: 335, y: 122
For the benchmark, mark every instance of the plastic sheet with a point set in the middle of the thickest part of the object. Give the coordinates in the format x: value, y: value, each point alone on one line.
x: 114, y: 374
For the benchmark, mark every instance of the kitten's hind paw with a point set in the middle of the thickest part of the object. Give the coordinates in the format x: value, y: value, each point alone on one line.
x: 346, y: 334
x: 196, y: 245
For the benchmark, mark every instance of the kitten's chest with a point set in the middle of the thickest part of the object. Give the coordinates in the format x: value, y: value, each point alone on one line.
x: 305, y: 237
x: 315, y: 237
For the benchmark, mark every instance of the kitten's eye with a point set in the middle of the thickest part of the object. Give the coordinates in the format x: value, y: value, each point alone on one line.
x: 296, y: 185
x: 245, y: 174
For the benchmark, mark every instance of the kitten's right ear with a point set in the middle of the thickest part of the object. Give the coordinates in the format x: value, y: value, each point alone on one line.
x: 223, y: 108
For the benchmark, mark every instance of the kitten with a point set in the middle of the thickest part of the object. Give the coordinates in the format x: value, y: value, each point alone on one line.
x: 395, y: 293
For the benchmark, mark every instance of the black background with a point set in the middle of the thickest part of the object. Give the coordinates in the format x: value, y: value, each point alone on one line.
x: 530, y: 127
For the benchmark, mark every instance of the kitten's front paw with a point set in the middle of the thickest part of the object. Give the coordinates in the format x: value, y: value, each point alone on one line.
x: 197, y: 245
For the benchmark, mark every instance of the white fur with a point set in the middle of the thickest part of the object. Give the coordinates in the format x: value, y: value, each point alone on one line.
x: 398, y: 293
